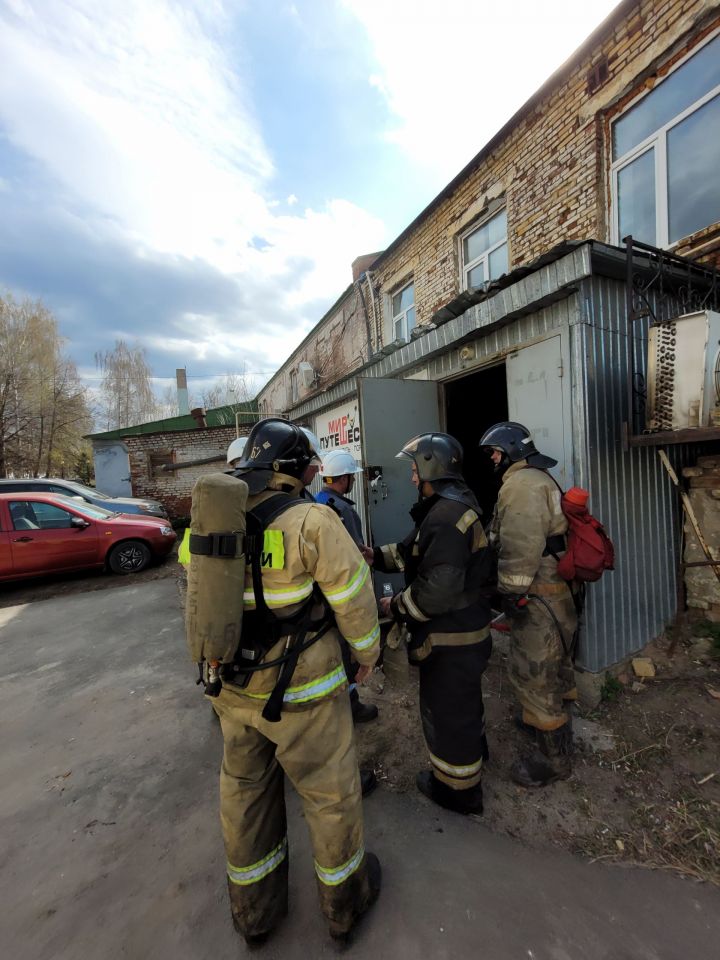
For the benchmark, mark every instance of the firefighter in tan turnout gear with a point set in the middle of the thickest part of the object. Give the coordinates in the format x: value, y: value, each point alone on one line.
x: 528, y: 529
x: 312, y: 583
x: 445, y: 559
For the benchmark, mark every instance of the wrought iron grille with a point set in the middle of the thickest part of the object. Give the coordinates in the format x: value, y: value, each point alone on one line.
x: 659, y: 286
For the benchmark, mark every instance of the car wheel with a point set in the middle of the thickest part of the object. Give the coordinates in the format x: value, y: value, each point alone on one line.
x: 129, y: 557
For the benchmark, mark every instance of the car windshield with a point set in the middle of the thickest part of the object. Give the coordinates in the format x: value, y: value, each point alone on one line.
x: 86, y: 509
x: 86, y: 491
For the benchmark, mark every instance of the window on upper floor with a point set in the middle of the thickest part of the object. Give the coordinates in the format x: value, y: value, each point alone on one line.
x: 294, y: 386
x: 484, y: 251
x: 666, y: 155
x: 403, y: 312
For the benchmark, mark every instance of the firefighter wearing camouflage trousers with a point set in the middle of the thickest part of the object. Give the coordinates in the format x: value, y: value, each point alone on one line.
x: 527, y: 528
x: 313, y: 743
x: 446, y: 560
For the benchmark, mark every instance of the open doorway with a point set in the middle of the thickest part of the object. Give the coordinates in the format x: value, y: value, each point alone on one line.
x: 472, y: 404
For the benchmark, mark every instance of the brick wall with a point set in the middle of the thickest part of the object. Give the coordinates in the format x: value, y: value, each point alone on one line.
x: 551, y: 172
x: 174, y: 489
x: 335, y: 348
x: 701, y: 584
x: 552, y: 169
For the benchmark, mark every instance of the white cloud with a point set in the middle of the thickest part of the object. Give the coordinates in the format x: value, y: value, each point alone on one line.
x: 141, y: 114
x: 453, y: 72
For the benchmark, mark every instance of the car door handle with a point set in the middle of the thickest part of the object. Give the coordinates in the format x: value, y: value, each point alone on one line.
x: 22, y: 539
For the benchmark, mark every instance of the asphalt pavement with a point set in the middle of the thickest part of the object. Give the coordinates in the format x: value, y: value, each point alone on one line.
x: 111, y: 845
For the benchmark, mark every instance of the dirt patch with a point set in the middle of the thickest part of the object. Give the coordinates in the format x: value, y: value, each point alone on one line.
x: 62, y: 585
x: 652, y: 799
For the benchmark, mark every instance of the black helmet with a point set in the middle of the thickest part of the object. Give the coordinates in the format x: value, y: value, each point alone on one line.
x: 514, y: 440
x: 437, y: 456
x: 274, y: 445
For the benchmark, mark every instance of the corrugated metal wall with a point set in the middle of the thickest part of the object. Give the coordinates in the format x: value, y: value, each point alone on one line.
x: 630, y: 491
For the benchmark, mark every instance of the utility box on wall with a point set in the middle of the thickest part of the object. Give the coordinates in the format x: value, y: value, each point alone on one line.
x: 684, y: 372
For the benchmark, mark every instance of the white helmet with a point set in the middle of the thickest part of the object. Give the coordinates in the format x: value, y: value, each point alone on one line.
x: 338, y: 463
x: 235, y: 450
x: 314, y: 445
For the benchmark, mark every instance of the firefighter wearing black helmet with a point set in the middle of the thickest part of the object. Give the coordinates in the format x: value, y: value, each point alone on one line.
x: 445, y: 559
x: 528, y: 530
x: 312, y: 742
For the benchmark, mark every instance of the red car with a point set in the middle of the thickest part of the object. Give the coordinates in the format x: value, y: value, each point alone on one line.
x: 43, y: 533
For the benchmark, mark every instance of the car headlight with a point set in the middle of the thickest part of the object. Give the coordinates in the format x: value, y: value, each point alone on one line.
x: 167, y: 531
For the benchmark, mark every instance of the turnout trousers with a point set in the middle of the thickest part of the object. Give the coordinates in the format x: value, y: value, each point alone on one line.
x: 540, y: 666
x: 453, y: 718
x: 315, y: 748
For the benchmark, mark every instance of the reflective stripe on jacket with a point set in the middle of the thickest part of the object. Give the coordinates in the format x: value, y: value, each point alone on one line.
x: 528, y: 511
x: 316, y: 549
x: 445, y: 560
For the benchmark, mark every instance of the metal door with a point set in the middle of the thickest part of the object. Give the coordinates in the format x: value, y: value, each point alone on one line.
x: 112, y: 469
x: 391, y: 412
x: 538, y: 397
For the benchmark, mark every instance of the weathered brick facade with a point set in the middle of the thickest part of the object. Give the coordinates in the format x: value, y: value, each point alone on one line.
x: 549, y: 167
x: 333, y: 349
x: 174, y: 489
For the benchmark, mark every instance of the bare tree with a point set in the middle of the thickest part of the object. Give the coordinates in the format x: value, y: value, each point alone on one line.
x: 230, y: 391
x: 43, y: 404
x: 126, y: 396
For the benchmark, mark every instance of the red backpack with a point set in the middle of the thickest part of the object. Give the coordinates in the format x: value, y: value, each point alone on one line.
x: 590, y: 550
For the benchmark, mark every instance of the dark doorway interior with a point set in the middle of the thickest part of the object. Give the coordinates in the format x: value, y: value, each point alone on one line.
x: 472, y: 404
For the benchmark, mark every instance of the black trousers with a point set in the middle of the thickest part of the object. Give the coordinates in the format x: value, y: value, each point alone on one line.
x: 453, y: 716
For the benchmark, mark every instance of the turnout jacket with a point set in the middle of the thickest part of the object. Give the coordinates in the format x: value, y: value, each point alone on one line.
x: 446, y: 561
x: 528, y: 514
x: 345, y: 508
x: 312, y: 548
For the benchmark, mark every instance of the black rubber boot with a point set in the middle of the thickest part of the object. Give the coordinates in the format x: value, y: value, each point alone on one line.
x: 459, y: 801
x: 362, y: 712
x: 368, y: 781
x: 520, y: 723
x: 257, y: 940
x: 549, y: 763
x: 341, y: 939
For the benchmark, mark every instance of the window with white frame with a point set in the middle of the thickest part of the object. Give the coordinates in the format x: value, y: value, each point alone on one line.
x: 484, y: 251
x: 294, y: 386
x: 403, y: 312
x: 666, y: 155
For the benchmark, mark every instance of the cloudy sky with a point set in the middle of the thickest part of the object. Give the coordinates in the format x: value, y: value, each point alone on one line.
x: 196, y: 176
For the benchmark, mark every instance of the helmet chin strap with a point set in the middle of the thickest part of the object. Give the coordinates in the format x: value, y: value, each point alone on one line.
x: 501, y: 467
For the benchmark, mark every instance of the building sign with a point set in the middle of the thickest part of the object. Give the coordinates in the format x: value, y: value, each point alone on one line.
x: 339, y: 429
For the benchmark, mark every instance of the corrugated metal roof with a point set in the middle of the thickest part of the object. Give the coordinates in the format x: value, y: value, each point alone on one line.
x: 217, y: 417
x: 468, y: 298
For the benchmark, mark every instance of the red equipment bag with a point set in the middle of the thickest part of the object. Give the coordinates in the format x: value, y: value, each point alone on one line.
x: 590, y: 550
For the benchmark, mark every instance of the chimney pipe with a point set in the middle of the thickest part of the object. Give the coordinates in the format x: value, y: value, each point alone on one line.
x: 198, y: 415
x: 182, y: 391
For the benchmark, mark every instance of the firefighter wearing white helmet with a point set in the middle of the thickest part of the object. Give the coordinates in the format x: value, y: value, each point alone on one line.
x: 235, y: 450
x: 339, y: 469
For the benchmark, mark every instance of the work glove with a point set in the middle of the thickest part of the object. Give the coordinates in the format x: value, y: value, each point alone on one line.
x: 515, y: 606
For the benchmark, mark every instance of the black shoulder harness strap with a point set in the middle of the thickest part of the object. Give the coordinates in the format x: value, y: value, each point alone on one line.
x: 295, y: 628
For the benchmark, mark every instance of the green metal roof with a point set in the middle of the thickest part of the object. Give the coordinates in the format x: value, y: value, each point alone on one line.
x: 218, y: 417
